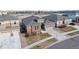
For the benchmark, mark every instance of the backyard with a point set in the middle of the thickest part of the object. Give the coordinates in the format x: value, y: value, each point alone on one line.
x: 44, y: 44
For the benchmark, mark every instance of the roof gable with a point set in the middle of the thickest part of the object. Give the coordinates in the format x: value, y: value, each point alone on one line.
x: 7, y: 17
x: 52, y: 17
x: 29, y: 20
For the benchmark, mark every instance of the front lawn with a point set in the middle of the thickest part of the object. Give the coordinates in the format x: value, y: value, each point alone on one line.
x: 44, y: 44
x: 34, y: 38
x: 73, y: 33
x: 44, y: 35
x: 67, y: 29
x: 31, y: 39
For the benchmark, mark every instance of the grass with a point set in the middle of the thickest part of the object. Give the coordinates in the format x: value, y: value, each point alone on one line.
x: 73, y: 33
x: 42, y: 36
x: 31, y: 39
x: 44, y: 44
x: 67, y: 29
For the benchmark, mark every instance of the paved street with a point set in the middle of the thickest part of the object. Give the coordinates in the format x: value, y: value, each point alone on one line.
x: 72, y: 43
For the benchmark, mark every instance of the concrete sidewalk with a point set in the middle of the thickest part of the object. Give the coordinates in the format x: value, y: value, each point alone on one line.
x: 40, y: 41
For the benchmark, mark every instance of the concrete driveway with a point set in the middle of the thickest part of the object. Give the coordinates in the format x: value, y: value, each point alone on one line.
x: 56, y: 34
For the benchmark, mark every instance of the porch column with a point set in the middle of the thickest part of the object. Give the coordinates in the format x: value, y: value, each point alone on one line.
x: 55, y: 24
x: 31, y: 29
x: 63, y: 21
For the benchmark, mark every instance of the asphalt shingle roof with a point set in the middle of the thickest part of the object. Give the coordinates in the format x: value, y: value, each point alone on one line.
x: 7, y: 17
x: 29, y: 20
x: 52, y: 17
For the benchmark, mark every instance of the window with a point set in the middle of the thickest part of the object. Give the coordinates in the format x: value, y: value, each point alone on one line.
x: 35, y: 27
x: 14, y: 22
x: 0, y: 23
x: 35, y: 20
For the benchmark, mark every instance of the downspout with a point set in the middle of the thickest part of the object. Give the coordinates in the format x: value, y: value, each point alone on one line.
x: 56, y: 22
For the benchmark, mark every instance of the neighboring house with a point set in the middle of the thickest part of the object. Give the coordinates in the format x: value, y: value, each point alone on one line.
x: 70, y: 15
x: 50, y: 20
x: 7, y: 21
x: 54, y: 20
x: 30, y: 25
x: 77, y: 19
x: 67, y: 19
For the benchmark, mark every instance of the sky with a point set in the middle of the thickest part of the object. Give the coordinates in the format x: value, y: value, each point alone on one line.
x: 39, y: 5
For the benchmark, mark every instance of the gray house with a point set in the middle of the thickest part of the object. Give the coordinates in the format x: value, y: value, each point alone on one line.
x: 77, y: 19
x: 8, y: 21
x: 54, y: 20
x: 31, y: 25
x: 70, y: 15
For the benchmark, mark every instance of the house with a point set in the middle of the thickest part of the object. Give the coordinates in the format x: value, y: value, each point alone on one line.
x: 77, y: 19
x: 70, y: 15
x: 54, y: 20
x: 50, y: 20
x: 8, y: 21
x: 77, y: 16
x: 67, y: 20
x: 30, y: 25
